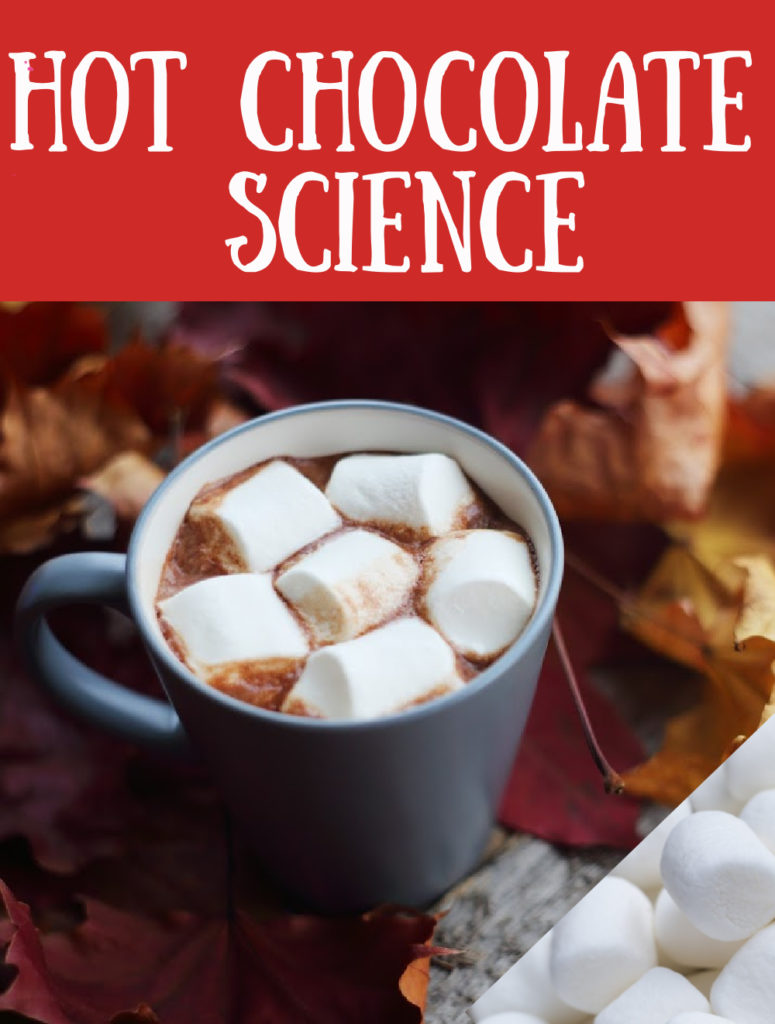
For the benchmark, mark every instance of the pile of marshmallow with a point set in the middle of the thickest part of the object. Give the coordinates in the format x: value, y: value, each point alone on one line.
x: 322, y: 577
x: 681, y: 932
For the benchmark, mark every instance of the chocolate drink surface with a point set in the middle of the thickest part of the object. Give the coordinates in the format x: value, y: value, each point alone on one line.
x: 345, y: 587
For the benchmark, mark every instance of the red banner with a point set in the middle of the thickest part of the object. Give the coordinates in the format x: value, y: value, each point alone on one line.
x: 409, y: 151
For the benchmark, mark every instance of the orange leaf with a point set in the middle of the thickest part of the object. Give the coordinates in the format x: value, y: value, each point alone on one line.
x: 692, y: 616
x: 51, y: 437
x: 651, y: 447
x: 126, y: 481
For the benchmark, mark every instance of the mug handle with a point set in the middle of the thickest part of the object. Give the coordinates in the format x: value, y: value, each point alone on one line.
x: 93, y: 577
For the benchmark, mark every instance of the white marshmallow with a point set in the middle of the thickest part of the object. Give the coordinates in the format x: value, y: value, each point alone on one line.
x: 759, y: 814
x: 424, y: 493
x: 351, y: 582
x: 482, y: 589
x: 237, y: 617
x: 693, y: 1017
x: 713, y: 794
x: 380, y: 672
x: 745, y: 989
x: 602, y: 945
x: 720, y: 874
x: 653, y: 998
x: 513, y: 1017
x: 751, y: 767
x: 686, y: 945
x: 527, y: 987
x: 266, y: 518
x: 641, y: 865
x: 703, y: 980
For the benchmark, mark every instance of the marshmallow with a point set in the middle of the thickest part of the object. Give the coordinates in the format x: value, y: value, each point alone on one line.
x: 703, y: 980
x: 745, y: 989
x: 237, y: 617
x: 383, y: 671
x: 751, y: 767
x: 720, y: 875
x: 351, y: 582
x: 425, y: 494
x: 653, y: 999
x: 482, y: 589
x: 527, y: 987
x: 686, y: 945
x: 713, y: 794
x: 513, y: 1017
x: 258, y: 523
x: 693, y: 1017
x: 759, y: 814
x: 641, y: 865
x: 602, y: 945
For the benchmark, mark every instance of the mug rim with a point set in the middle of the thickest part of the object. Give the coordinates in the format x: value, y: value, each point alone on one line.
x: 535, y: 627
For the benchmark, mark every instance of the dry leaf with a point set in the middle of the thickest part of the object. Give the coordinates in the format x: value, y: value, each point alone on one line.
x: 651, y: 449
x: 692, y: 616
x: 126, y: 481
x: 184, y: 969
x: 49, y: 437
x: 757, y: 615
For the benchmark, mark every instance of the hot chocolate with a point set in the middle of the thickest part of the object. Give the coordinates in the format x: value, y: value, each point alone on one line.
x: 345, y: 587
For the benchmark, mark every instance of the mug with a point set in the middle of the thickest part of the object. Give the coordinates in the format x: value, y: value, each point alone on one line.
x: 342, y: 815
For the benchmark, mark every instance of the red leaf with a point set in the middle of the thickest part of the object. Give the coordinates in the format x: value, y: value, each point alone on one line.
x: 38, y: 343
x: 555, y: 791
x: 293, y: 970
x: 498, y: 365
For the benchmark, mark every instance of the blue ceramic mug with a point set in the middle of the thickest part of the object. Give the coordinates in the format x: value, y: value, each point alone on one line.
x: 344, y: 815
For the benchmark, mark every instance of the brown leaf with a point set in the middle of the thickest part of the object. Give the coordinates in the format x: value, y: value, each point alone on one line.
x: 692, y: 616
x: 39, y: 340
x: 757, y: 615
x: 97, y: 407
x: 168, y: 386
x: 184, y: 968
x: 127, y: 481
x: 51, y: 437
x: 651, y: 448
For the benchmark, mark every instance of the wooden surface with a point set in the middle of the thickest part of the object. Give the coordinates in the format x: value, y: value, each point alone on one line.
x: 500, y: 911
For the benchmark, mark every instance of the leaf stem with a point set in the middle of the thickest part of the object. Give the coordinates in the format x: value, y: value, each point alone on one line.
x: 612, y: 780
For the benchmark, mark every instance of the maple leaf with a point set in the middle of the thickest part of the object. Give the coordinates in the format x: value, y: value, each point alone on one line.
x: 651, y: 447
x: 68, y: 407
x: 117, y: 965
x: 40, y: 340
x: 694, y: 617
x: 126, y: 481
x: 555, y: 790
x: 496, y: 365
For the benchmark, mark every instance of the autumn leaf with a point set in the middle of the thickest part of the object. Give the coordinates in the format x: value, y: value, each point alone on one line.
x: 555, y: 791
x: 68, y: 407
x: 126, y: 481
x: 165, y: 386
x: 496, y: 365
x: 651, y: 445
x: 184, y: 968
x: 39, y: 341
x: 692, y: 616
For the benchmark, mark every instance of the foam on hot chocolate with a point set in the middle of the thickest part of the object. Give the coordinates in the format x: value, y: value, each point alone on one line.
x: 236, y: 617
x: 424, y: 494
x: 351, y: 582
x: 354, y: 611
x: 381, y: 672
x: 260, y: 521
